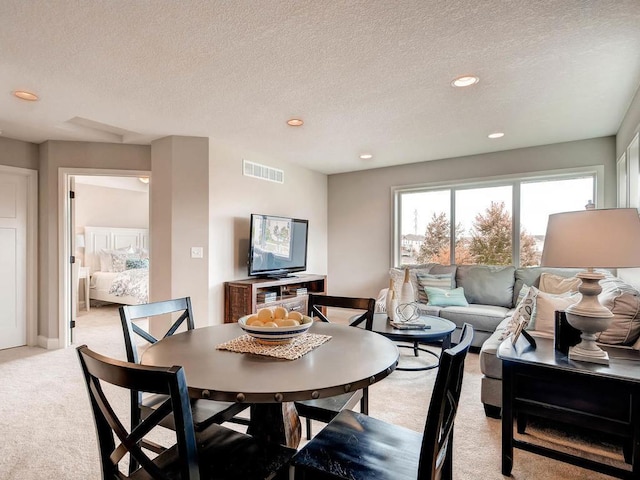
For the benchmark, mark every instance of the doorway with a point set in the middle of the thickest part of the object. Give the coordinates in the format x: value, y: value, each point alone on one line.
x: 100, y: 199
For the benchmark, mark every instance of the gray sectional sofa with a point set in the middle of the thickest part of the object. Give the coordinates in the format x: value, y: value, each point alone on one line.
x: 492, y: 296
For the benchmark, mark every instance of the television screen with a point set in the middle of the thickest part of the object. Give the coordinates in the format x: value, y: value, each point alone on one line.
x: 277, y: 245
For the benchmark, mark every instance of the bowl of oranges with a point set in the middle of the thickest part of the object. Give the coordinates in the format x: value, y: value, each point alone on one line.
x: 275, y: 326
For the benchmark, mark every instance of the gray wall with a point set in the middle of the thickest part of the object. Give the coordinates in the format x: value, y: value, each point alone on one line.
x: 360, y: 203
x: 179, y: 202
x: 231, y: 199
x: 53, y: 156
x: 15, y: 153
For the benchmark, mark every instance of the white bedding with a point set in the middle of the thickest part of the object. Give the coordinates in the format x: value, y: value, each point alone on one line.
x: 127, y: 287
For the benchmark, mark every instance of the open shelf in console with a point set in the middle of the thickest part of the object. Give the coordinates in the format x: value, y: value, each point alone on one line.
x: 242, y: 297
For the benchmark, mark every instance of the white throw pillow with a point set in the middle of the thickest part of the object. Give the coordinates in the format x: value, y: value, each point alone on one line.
x: 543, y: 318
x: 558, y: 284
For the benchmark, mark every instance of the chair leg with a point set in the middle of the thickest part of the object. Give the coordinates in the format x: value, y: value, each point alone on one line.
x: 308, y: 421
x: 364, y: 401
x: 447, y: 467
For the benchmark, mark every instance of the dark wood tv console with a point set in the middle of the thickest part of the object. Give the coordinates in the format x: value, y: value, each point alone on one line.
x: 242, y: 297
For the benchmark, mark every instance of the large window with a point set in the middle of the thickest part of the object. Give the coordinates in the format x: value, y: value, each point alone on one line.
x: 469, y: 224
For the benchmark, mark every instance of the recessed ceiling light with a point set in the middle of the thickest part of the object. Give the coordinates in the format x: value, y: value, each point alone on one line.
x: 366, y: 156
x: 24, y: 95
x: 465, y: 81
x: 496, y: 135
x: 295, y: 122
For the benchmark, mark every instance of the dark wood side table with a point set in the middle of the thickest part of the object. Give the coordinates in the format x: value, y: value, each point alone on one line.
x: 543, y: 382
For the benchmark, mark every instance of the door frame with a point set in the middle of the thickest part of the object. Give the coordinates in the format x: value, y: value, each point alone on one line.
x: 64, y: 252
x: 31, y: 251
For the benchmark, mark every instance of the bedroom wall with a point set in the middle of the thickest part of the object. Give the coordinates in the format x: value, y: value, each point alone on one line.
x: 110, y: 207
x: 233, y: 197
x: 360, y: 203
x: 54, y: 155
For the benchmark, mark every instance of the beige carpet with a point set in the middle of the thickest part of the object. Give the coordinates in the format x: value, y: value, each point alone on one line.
x: 47, y: 432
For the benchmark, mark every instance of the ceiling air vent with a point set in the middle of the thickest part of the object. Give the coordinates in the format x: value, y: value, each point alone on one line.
x: 255, y: 170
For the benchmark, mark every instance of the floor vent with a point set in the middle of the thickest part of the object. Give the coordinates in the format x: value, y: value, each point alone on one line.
x: 251, y: 169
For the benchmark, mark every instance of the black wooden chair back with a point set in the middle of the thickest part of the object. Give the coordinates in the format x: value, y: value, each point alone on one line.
x: 437, y: 441
x: 317, y: 303
x: 325, y: 409
x: 179, y: 461
x: 354, y: 445
x: 128, y: 313
x: 205, y: 412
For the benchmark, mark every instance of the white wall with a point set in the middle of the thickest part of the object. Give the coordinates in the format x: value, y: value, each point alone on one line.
x: 360, y: 203
x: 233, y: 197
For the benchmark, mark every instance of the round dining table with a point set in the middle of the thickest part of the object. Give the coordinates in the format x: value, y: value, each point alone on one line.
x: 353, y: 358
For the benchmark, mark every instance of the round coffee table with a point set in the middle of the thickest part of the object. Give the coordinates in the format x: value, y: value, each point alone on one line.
x: 440, y: 331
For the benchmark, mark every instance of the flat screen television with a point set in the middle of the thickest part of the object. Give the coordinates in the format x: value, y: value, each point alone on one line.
x: 277, y: 245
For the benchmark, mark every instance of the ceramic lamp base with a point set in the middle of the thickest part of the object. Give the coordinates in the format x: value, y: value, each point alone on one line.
x: 585, y: 355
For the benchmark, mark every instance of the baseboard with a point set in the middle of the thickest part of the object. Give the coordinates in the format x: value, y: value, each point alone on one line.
x: 48, y: 343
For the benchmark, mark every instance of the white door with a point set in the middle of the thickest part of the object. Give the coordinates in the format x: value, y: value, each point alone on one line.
x: 13, y: 260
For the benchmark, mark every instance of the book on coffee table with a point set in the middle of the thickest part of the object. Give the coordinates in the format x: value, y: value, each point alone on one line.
x: 411, y: 325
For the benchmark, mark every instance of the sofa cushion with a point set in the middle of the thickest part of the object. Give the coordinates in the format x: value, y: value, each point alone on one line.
x: 451, y: 297
x: 624, y: 302
x: 438, y: 269
x: 490, y: 364
x: 483, y: 317
x: 486, y: 284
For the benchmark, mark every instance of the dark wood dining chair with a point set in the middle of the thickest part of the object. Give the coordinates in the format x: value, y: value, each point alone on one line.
x: 205, y: 412
x: 355, y: 446
x: 325, y: 409
x: 221, y: 453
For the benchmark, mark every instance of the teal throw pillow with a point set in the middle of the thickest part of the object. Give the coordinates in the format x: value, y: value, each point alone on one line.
x: 137, y: 263
x: 443, y: 281
x: 439, y: 297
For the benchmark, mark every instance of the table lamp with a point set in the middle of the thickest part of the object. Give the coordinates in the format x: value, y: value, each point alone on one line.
x: 607, y: 238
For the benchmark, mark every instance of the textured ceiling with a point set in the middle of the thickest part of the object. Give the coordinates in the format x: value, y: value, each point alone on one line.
x: 365, y: 75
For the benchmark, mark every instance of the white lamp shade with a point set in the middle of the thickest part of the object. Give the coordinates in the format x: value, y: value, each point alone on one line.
x: 607, y: 238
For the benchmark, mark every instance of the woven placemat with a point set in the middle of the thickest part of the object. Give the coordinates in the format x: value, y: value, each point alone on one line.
x: 289, y: 351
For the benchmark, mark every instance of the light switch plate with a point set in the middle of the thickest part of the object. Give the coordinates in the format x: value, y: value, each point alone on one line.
x: 197, y: 252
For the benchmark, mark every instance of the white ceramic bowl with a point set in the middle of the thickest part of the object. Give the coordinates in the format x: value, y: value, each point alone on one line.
x: 275, y: 334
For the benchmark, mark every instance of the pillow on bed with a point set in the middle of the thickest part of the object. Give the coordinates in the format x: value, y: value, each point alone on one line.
x: 133, y: 263
x: 119, y: 262
x: 115, y: 260
x: 105, y: 260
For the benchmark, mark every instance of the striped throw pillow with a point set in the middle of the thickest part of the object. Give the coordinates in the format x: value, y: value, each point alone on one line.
x: 443, y: 281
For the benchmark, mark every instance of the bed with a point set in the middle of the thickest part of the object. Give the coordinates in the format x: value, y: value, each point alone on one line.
x: 118, y: 261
